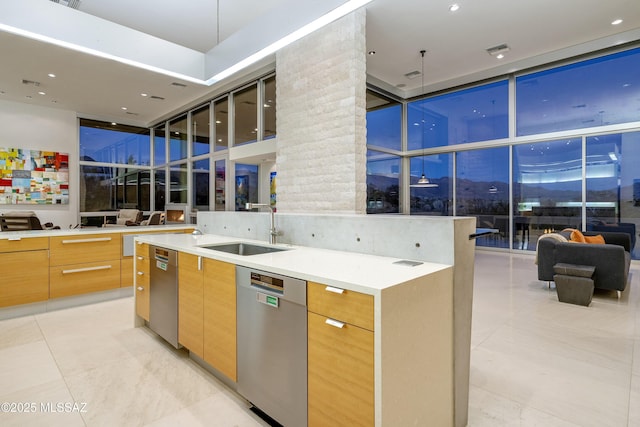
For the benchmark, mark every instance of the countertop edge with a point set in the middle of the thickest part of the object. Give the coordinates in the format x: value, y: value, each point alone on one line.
x: 353, y: 271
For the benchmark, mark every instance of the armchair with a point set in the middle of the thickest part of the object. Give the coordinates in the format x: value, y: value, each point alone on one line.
x: 156, y: 218
x: 611, y: 260
x: 127, y: 217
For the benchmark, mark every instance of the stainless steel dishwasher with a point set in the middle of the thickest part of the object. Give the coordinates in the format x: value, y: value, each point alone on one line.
x: 163, y: 296
x: 272, y: 344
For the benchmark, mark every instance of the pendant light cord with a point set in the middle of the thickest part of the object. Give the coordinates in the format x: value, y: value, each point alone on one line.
x: 422, y: 52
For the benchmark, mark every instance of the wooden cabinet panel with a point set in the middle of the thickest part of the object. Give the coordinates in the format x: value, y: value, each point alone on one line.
x: 126, y: 272
x: 142, y: 280
x: 17, y: 244
x: 348, y: 306
x: 220, y: 316
x: 190, y: 303
x: 75, y: 279
x: 340, y: 379
x: 25, y: 278
x: 85, y: 248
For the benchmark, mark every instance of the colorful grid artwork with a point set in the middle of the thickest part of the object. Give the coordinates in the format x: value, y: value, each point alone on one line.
x: 33, y: 177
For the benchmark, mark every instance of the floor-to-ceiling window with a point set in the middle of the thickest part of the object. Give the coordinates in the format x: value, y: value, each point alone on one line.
x: 613, y: 184
x: 384, y: 139
x: 114, y: 169
x: 482, y: 190
x: 547, y: 189
x: 183, y: 160
x: 529, y: 153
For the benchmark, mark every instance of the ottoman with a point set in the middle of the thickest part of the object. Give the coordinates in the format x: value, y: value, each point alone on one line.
x: 574, y: 283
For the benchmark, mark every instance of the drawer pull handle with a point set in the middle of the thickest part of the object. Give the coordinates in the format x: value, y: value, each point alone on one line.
x: 140, y: 258
x: 140, y: 273
x: 199, y: 263
x: 96, y: 239
x: 14, y: 239
x: 82, y: 270
x: 334, y: 323
x: 140, y: 288
x: 334, y: 290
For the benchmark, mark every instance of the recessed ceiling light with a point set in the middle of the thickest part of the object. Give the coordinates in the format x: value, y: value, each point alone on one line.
x: 454, y: 7
x: 498, y: 51
x: 143, y: 94
x: 616, y: 22
x: 41, y: 93
x: 371, y: 52
x: 53, y: 76
x: 113, y: 123
x: 124, y: 108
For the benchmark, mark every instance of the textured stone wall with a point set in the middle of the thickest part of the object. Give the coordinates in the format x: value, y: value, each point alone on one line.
x: 321, y: 116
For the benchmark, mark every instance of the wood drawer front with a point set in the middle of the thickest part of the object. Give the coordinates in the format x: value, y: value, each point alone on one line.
x: 349, y: 306
x: 142, y: 249
x: 86, y: 248
x: 143, y: 271
x: 24, y: 244
x: 79, y: 279
x: 27, y: 283
x: 143, y: 300
x: 341, y: 378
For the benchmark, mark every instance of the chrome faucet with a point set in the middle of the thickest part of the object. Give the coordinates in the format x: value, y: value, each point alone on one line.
x: 272, y: 230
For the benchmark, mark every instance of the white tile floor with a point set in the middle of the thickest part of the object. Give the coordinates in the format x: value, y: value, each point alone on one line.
x: 534, y: 362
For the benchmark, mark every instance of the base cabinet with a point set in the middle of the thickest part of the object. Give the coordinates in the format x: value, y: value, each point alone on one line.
x: 85, y: 263
x: 220, y: 316
x: 190, y: 303
x: 142, y: 270
x: 340, y: 358
x: 26, y: 282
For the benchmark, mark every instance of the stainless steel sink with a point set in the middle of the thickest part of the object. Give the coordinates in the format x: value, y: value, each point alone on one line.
x: 244, y: 249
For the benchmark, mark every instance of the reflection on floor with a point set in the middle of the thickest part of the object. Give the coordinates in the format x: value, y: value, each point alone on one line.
x: 534, y: 362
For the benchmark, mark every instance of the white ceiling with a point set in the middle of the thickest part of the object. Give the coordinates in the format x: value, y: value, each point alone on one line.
x: 537, y: 32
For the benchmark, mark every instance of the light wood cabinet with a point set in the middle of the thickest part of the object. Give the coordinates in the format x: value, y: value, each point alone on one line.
x: 190, y: 303
x: 351, y: 307
x: 340, y: 357
x: 142, y: 282
x: 220, y: 316
x: 27, y: 278
x: 85, y: 263
x: 85, y: 248
x: 126, y: 272
x: 24, y: 244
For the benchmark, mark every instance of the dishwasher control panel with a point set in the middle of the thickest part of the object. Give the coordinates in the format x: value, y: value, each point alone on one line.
x: 269, y: 282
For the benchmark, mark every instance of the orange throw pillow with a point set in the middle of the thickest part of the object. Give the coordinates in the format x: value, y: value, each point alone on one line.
x: 577, y: 236
x: 595, y: 239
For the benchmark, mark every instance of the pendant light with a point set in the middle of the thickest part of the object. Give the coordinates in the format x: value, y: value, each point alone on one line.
x: 423, y: 182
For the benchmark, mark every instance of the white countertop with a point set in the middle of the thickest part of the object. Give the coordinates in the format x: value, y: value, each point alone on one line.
x: 91, y: 230
x: 358, y: 272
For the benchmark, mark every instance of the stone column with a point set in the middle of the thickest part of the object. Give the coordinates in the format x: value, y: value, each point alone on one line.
x: 321, y: 117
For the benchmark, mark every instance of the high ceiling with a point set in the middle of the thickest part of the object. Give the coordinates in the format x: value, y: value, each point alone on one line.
x: 536, y: 32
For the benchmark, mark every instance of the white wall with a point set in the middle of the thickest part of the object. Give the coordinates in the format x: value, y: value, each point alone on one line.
x: 38, y: 128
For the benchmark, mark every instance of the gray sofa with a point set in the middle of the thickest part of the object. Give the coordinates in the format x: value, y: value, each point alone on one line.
x: 611, y: 260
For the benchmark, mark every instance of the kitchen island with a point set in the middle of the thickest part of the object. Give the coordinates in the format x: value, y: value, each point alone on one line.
x: 397, y: 320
